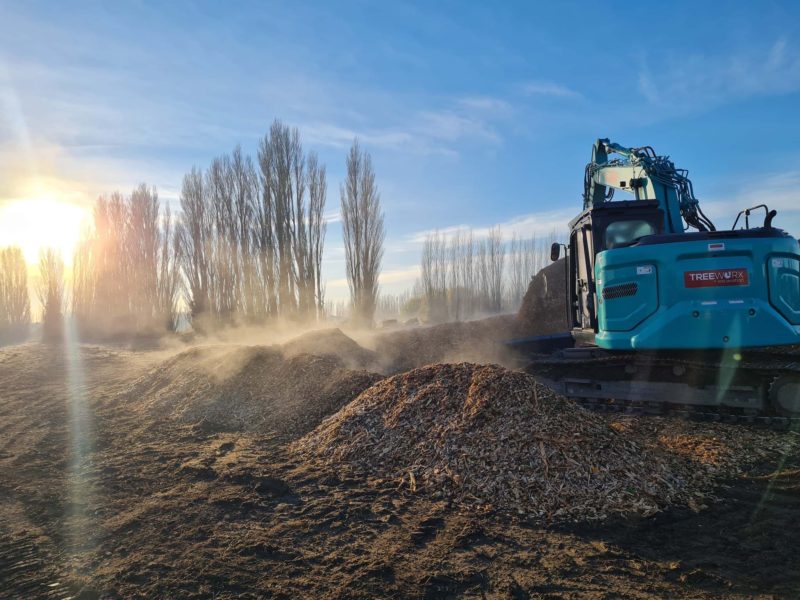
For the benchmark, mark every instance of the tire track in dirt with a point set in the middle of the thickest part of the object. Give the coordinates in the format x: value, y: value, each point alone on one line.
x: 28, y: 559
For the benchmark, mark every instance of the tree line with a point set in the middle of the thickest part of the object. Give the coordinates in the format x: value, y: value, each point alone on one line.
x: 461, y: 276
x: 15, y: 304
x: 245, y: 248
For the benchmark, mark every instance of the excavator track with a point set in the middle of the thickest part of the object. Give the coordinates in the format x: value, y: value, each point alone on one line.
x: 759, y: 388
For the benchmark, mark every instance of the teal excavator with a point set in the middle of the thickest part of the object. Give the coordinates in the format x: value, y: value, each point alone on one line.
x: 663, y: 309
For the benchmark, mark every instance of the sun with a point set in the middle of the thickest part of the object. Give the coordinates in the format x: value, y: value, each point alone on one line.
x: 37, y: 223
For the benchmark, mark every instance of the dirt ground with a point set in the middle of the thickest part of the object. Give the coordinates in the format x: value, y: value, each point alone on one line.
x: 101, y: 499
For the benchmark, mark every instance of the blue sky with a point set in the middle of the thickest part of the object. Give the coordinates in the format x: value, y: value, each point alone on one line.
x: 475, y: 115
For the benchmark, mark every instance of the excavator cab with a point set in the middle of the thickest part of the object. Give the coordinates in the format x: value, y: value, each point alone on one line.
x: 608, y: 226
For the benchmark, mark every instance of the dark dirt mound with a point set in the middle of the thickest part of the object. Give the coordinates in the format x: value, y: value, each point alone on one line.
x: 250, y: 389
x: 544, y: 306
x: 475, y: 341
x: 486, y: 436
x: 332, y: 342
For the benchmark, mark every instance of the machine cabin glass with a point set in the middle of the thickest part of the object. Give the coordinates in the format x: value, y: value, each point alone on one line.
x: 624, y: 233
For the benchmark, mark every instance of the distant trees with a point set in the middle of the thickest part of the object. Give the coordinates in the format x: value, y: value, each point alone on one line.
x: 195, y: 243
x: 125, y: 270
x: 50, y: 292
x: 246, y: 247
x: 252, y: 234
x: 15, y: 305
x: 491, y: 256
x: 434, y: 276
x: 317, y: 228
x: 464, y: 277
x: 526, y: 257
x: 216, y: 243
x: 363, y: 232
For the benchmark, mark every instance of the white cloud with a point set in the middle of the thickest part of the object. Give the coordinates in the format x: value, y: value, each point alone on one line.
x: 702, y: 81
x: 333, y: 216
x: 778, y: 191
x: 450, y: 126
x: 540, y: 224
x: 424, y: 130
x: 495, y: 106
x: 327, y: 134
x: 549, y: 88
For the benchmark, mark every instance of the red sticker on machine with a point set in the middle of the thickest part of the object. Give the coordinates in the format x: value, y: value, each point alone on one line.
x: 716, y: 277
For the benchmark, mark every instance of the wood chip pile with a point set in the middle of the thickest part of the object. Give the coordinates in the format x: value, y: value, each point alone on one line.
x: 332, y: 342
x: 249, y: 389
x: 488, y: 437
x: 717, y: 448
x: 544, y: 306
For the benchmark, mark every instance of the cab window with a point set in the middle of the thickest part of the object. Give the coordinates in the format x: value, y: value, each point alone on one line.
x: 622, y: 233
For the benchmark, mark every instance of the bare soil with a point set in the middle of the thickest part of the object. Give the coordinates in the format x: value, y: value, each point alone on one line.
x: 101, y: 497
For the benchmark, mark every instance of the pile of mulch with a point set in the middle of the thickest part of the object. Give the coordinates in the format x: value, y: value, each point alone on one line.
x: 258, y: 388
x: 332, y: 342
x: 486, y: 437
x: 543, y: 309
x: 479, y: 341
x: 720, y: 449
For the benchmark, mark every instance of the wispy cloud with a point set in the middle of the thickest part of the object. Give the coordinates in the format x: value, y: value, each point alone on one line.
x: 488, y: 104
x: 701, y: 81
x: 549, y: 88
x: 328, y: 134
x: 332, y: 216
x: 539, y: 224
x: 777, y: 190
x: 424, y: 130
x: 451, y: 126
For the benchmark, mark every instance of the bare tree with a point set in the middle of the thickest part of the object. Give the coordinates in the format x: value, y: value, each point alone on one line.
x: 494, y: 273
x: 455, y: 277
x: 317, y: 227
x: 290, y: 227
x: 482, y: 279
x: 461, y: 276
x: 282, y: 167
x: 245, y: 200
x: 265, y: 238
x: 125, y: 268
x: 363, y: 232
x: 224, y: 252
x: 15, y: 306
x: 433, y: 274
x: 50, y: 291
x: 523, y: 264
x: 195, y: 241
x: 250, y: 239
x: 141, y: 250
x: 168, y: 282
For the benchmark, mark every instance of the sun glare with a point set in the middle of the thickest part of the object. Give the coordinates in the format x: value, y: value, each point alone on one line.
x: 37, y: 223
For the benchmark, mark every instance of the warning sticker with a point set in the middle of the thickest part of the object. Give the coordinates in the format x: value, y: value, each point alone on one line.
x: 715, y: 278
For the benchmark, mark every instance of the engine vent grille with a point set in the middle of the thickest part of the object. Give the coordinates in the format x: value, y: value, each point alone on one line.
x: 620, y: 291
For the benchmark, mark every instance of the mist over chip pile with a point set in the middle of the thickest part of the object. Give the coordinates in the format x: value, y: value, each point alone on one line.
x: 478, y: 341
x: 250, y: 388
x: 484, y: 436
x: 332, y: 342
